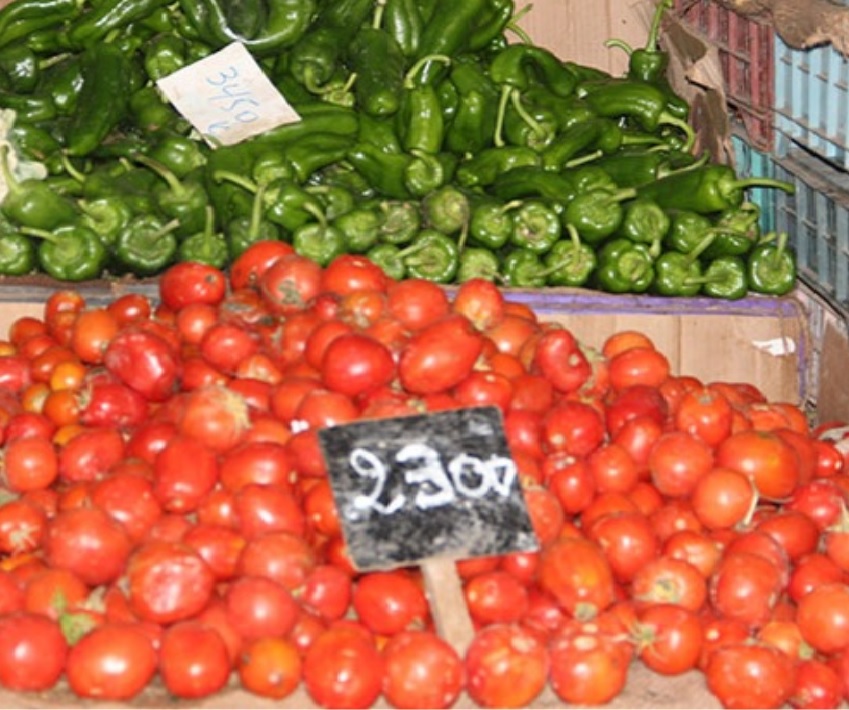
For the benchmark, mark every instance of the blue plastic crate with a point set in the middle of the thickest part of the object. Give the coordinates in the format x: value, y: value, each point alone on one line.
x: 812, y: 101
x: 816, y: 218
x: 751, y: 162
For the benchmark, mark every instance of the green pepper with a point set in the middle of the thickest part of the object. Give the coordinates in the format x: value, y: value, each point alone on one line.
x: 427, y: 172
x: 448, y: 33
x: 446, y: 209
x: 103, y: 101
x: 624, y: 267
x: 378, y: 62
x: 319, y: 241
x: 534, y: 181
x: 516, y: 124
x: 472, y: 127
x: 641, y: 101
x: 20, y: 69
x: 31, y: 202
x: 403, y: 21
x: 386, y: 172
x: 477, y: 263
x: 316, y: 117
x: 106, y: 215
x: 738, y: 230
x: 147, y: 245
x: 315, y: 56
x: 678, y: 274
x: 380, y: 133
x: 207, y: 246
x: 484, y: 167
x: 420, y: 122
x: 388, y: 257
x: 569, y: 262
x: 567, y: 110
x: 489, y: 27
x: 29, y: 108
x: 336, y: 200
x: 491, y: 222
x: 590, y: 177
x: 597, y: 214
x: 647, y: 63
x: 725, y: 277
x: 92, y: 27
x: 34, y: 142
x: 179, y: 153
x: 431, y: 255
x: 536, y: 226
x: 771, y: 266
x: 22, y: 18
x: 150, y: 112
x: 243, y: 231
x: 315, y: 151
x: 70, y: 252
x: 686, y: 230
x: 288, y: 21
x: 401, y: 221
x: 706, y: 189
x: 600, y: 136
x: 523, y: 268
x: 635, y: 167
x: 184, y: 200
x: 165, y: 54
x: 17, y: 254
x: 522, y: 65
x: 360, y: 228
x: 646, y: 222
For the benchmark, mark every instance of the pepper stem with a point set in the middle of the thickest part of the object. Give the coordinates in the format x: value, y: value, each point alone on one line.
x: 257, y: 211
x: 168, y: 175
x: 689, y: 134
x: 377, y: 20
x: 236, y: 179
x: 654, y: 29
x: 38, y: 234
x: 71, y: 169
x: 498, y: 138
x: 513, y: 25
x: 410, y: 76
x: 516, y: 102
x: 583, y: 159
x: 745, y: 183
x: 619, y: 44
x: 696, y: 251
x: 703, y: 159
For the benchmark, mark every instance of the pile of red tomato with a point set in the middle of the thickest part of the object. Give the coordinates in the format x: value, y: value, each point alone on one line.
x: 166, y: 519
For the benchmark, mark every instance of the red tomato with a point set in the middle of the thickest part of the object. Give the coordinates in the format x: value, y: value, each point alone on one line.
x: 723, y: 498
x: 635, y: 402
x: 765, y: 458
x: 677, y: 462
x: 115, y: 661
x: 354, y: 363
x: 22, y: 526
x: 193, y: 660
x: 265, y: 508
x: 389, y: 602
x: 290, y: 283
x: 270, y: 667
x: 184, y: 473
x: 559, y: 358
x: 823, y: 617
x: 417, y: 303
x: 88, y: 542
x: 191, y: 282
x: 747, y: 675
x: 818, y: 685
x: 226, y: 345
x: 143, y: 361
x: 111, y: 404
x: 90, y: 455
x: 218, y: 546
x: 215, y: 416
x: 248, y: 267
x: 667, y: 580
x: 481, y: 301
x: 282, y: 556
x: 506, y: 666
x: 259, y: 606
x: 29, y: 463
x: 352, y: 272
x: 168, y: 582
x: 576, y: 572
x: 811, y: 572
x: 627, y: 540
x: 638, y: 366
x: 33, y: 652
x: 587, y: 668
x: 343, y: 668
x: 439, y: 356
x: 495, y: 597
x: 822, y: 500
x: 669, y: 638
x: 421, y: 670
x: 327, y: 591
x: 705, y: 413
x: 746, y: 587
x: 573, y: 428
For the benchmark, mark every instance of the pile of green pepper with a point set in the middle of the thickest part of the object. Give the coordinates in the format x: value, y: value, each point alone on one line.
x: 427, y: 141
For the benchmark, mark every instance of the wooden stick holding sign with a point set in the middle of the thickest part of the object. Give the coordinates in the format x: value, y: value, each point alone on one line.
x: 428, y: 490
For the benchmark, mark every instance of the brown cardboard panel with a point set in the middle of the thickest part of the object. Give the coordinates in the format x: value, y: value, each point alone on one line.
x: 833, y: 395
x: 576, y: 30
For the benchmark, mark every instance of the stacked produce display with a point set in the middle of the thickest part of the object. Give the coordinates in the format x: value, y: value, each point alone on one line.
x: 426, y: 141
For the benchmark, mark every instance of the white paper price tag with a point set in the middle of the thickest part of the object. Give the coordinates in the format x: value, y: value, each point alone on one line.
x: 227, y: 97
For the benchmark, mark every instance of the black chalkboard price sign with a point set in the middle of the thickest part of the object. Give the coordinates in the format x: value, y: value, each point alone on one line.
x: 435, y: 485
